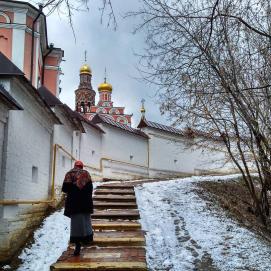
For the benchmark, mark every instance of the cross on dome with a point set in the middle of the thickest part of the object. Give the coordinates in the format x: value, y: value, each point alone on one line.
x: 142, y: 110
x: 85, y: 68
x: 105, y: 86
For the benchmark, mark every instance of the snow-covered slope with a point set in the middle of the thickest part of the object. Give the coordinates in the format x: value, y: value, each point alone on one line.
x: 50, y: 240
x: 182, y: 234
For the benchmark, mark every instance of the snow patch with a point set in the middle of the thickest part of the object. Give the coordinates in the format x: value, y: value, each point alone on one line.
x: 49, y: 243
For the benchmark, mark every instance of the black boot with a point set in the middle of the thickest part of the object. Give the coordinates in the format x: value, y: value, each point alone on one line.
x: 77, y: 249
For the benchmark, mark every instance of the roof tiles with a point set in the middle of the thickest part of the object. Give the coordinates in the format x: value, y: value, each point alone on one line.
x: 104, y: 119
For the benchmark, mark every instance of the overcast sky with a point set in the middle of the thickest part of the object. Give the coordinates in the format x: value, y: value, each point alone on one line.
x: 105, y: 48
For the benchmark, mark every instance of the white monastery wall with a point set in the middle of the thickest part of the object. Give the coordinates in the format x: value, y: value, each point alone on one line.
x: 125, y: 155
x: 27, y: 169
x: 91, y: 150
x: 168, y: 154
x: 3, y: 123
x: 175, y: 155
x: 76, y: 144
x: 28, y: 147
x: 212, y: 158
x: 63, y: 136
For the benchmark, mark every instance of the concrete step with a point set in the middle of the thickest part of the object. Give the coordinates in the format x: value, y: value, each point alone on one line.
x: 114, y: 191
x: 115, y: 186
x: 109, y: 259
x: 114, y: 205
x: 116, y: 214
x: 119, y: 238
x: 103, y: 224
x: 118, y: 198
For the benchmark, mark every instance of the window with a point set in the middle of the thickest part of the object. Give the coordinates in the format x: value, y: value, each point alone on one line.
x: 63, y: 161
x: 82, y: 109
x: 39, y: 82
x: 88, y: 107
x: 35, y: 174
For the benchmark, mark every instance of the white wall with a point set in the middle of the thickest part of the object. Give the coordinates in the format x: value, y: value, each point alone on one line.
x: 3, y: 121
x: 29, y: 142
x: 175, y: 155
x: 63, y: 136
x: 91, y: 150
x: 27, y: 171
x: 120, y: 145
x: 76, y: 144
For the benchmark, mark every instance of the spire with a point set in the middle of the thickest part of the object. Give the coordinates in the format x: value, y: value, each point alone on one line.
x: 105, y: 74
x: 105, y: 87
x: 85, y: 55
x: 142, y: 110
x: 85, y: 69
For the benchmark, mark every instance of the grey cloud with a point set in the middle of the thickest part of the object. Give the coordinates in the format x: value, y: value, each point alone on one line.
x: 106, y: 48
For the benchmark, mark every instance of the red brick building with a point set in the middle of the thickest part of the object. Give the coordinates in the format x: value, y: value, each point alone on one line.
x: 24, y: 41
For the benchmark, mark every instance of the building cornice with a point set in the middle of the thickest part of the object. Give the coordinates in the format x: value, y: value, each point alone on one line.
x: 55, y: 68
x: 19, y: 26
x: 19, y: 6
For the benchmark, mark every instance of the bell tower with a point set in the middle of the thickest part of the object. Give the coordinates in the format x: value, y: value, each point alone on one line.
x: 84, y: 95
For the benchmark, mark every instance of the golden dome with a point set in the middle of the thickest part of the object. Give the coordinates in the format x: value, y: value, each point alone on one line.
x: 142, y: 110
x: 105, y: 87
x: 85, y: 69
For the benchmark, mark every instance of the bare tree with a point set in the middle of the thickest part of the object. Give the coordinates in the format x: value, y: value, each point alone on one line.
x: 211, y: 63
x: 68, y: 7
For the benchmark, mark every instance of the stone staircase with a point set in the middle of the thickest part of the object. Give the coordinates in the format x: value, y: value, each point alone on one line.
x: 119, y: 242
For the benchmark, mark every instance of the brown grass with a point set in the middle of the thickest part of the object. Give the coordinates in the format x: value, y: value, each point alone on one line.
x: 234, y: 198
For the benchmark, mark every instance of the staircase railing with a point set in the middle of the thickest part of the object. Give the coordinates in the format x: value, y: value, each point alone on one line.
x: 52, y: 199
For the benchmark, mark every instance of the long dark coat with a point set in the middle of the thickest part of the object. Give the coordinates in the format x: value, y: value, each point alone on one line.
x: 78, y: 200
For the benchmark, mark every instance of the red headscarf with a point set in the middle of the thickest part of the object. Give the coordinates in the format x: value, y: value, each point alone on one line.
x: 78, y: 176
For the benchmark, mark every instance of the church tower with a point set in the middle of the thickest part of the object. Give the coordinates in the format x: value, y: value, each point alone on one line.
x: 84, y: 95
x: 85, y: 99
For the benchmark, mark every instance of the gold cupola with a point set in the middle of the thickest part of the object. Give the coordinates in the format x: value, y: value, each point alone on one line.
x: 105, y: 87
x: 85, y: 69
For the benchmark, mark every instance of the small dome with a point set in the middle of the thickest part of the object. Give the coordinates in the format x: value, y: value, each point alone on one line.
x: 105, y: 87
x: 85, y: 69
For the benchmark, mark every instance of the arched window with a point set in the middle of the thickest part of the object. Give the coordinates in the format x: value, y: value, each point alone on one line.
x: 82, y: 108
x: 4, y: 18
x: 88, y: 107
